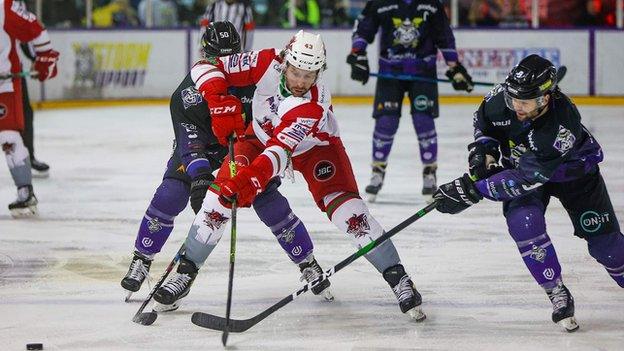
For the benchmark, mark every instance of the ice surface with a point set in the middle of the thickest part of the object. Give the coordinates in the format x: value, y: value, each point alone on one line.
x: 60, y: 273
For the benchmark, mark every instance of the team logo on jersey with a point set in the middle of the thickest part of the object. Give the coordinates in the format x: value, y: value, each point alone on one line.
x: 538, y: 253
x: 154, y: 225
x: 214, y: 219
x: 357, y: 225
x: 516, y: 150
x: 406, y: 31
x: 3, y: 111
x: 324, y: 170
x: 564, y: 141
x: 191, y: 97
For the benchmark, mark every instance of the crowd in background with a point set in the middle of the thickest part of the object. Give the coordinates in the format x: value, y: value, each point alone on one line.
x: 322, y: 13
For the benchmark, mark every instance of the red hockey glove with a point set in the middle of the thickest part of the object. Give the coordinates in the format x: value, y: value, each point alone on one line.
x: 45, y: 64
x: 227, y: 116
x: 244, y: 187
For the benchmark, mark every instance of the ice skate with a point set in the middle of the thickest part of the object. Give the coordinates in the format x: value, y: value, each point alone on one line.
x: 405, y: 292
x: 377, y: 178
x: 429, y: 182
x: 137, y: 273
x: 177, y: 287
x: 563, y: 307
x: 39, y: 169
x: 26, y: 203
x: 310, y: 271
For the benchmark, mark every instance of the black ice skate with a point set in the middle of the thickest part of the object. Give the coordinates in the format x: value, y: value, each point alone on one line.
x: 405, y: 292
x: 563, y: 307
x: 377, y: 178
x: 26, y: 203
x: 429, y: 181
x: 310, y: 271
x: 177, y: 287
x: 137, y: 272
x: 40, y: 169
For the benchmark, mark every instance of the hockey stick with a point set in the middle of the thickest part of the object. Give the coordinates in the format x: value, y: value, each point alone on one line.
x: 148, y: 318
x: 31, y: 74
x: 211, y: 321
x: 560, y: 74
x: 228, y: 307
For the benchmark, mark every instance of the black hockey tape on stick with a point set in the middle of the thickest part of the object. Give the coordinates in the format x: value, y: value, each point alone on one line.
x: 210, y: 321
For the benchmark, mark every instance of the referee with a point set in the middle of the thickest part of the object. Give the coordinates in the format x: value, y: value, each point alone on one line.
x: 239, y: 12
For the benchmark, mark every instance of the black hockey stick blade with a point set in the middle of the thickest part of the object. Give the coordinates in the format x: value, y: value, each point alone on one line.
x: 145, y: 318
x: 213, y: 322
x: 210, y: 321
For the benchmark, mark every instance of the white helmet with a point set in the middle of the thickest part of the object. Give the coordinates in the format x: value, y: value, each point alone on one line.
x: 306, y: 51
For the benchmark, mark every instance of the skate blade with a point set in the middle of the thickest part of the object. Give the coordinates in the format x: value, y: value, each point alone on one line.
x: 40, y: 174
x: 569, y: 324
x: 128, y: 296
x: 159, y: 307
x: 416, y: 314
x: 327, y: 295
x: 371, y: 197
x: 24, y: 212
x: 428, y: 199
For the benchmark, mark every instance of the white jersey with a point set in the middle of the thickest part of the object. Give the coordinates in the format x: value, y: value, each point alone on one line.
x: 284, y: 123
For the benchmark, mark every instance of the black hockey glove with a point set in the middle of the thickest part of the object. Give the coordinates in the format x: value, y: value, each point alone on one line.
x: 456, y: 196
x: 199, y: 187
x: 460, y: 78
x: 483, y: 160
x: 359, y: 66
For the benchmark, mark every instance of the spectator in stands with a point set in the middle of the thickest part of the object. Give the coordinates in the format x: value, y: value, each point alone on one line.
x: 599, y: 13
x: 307, y: 13
x: 558, y: 13
x: 117, y: 13
x: 485, y: 13
x: 164, y: 13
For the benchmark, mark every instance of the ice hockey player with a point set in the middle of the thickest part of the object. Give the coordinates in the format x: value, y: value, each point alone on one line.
x: 295, y: 128
x: 197, y: 153
x: 20, y: 25
x: 546, y: 151
x: 412, y: 32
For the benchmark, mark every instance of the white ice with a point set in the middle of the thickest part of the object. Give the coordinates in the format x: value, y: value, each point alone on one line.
x: 60, y: 273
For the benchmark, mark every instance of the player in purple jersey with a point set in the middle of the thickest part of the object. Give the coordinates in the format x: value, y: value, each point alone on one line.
x: 546, y: 152
x: 196, y: 154
x: 412, y: 32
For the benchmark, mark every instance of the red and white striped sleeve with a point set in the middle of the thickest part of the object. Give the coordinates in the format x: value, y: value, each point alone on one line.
x: 214, y: 76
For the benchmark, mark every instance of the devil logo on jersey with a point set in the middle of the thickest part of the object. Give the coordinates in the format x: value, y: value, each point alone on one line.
x: 358, y: 225
x: 214, y: 220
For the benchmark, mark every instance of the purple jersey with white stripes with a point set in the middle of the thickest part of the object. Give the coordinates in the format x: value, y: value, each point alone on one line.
x: 411, y: 33
x: 555, y: 147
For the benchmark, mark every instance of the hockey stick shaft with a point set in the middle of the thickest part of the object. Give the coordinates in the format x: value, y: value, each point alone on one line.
x: 560, y: 74
x: 149, y: 318
x: 228, y: 307
x: 218, y: 323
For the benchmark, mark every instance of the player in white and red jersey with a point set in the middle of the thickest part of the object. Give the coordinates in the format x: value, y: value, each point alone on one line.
x: 20, y: 25
x: 295, y: 128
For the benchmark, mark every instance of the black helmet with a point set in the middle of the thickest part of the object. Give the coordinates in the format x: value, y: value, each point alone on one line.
x: 532, y: 78
x: 220, y: 39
